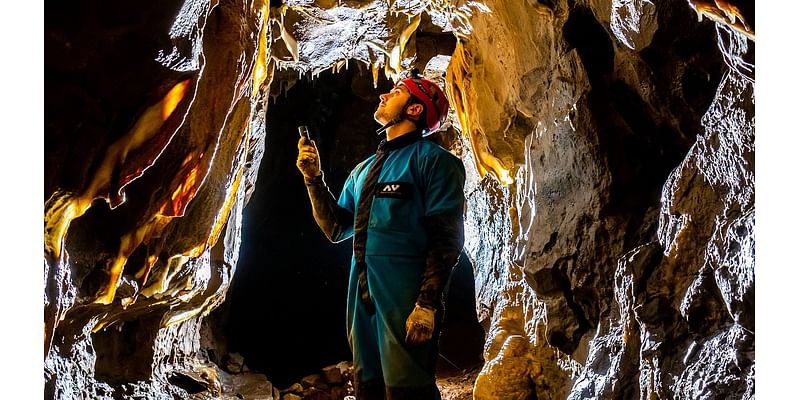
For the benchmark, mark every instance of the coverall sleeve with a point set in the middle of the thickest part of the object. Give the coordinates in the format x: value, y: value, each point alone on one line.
x: 334, y: 218
x: 443, y: 223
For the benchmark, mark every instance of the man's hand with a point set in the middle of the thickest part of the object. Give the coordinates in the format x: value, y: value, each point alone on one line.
x: 308, y: 158
x: 419, y: 325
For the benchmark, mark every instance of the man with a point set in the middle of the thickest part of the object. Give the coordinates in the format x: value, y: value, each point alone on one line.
x: 404, y: 207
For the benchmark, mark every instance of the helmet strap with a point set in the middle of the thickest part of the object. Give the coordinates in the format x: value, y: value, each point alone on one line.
x: 397, y: 118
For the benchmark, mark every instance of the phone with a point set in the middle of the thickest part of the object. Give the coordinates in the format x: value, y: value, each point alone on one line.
x: 303, y: 130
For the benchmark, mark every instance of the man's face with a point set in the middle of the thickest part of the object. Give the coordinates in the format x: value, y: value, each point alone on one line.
x: 391, y: 104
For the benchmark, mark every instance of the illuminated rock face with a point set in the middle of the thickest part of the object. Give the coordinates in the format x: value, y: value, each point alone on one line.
x: 609, y: 148
x: 622, y: 284
x: 157, y: 116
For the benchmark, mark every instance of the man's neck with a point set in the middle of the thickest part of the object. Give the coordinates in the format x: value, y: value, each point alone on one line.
x: 399, y: 129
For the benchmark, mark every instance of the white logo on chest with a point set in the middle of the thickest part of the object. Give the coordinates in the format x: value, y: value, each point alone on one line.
x: 391, y: 188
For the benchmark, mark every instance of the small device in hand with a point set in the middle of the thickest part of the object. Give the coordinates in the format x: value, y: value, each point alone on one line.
x: 303, y: 130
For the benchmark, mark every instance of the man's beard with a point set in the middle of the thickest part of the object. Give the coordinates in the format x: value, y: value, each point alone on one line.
x: 382, y: 114
x: 389, y: 121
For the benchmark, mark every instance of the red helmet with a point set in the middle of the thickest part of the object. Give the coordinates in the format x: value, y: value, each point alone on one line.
x: 432, y: 97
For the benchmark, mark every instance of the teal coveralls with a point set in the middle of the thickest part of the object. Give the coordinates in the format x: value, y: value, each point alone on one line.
x: 419, y: 193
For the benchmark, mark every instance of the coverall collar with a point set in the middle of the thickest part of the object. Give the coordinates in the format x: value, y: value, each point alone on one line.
x: 399, y: 142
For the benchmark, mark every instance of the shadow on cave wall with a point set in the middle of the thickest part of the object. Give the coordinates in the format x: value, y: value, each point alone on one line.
x: 285, y: 311
x: 644, y: 139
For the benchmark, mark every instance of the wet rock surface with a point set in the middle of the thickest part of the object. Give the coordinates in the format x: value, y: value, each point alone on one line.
x: 610, y: 153
x: 142, y: 225
x: 620, y: 94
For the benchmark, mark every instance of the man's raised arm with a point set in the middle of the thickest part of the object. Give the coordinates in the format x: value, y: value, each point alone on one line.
x: 336, y: 222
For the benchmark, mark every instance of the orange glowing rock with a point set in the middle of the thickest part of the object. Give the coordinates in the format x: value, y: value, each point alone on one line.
x: 723, y: 12
x: 63, y: 207
x: 128, y: 243
x: 260, y: 71
x: 175, y: 206
x: 148, y: 138
x: 222, y: 217
x: 148, y: 265
x: 157, y: 132
x: 463, y: 97
x: 172, y: 99
x: 60, y: 210
x: 394, y: 67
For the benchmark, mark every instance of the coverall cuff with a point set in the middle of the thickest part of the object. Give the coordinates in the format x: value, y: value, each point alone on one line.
x: 423, y: 302
x: 316, y: 180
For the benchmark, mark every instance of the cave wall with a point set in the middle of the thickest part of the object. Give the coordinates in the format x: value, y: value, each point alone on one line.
x: 152, y: 142
x: 595, y: 278
x: 610, y: 154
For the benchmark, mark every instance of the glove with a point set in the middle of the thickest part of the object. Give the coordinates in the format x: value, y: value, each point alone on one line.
x: 419, y: 325
x: 308, y: 158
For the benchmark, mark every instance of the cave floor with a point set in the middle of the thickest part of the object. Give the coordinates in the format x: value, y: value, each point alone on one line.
x: 457, y: 385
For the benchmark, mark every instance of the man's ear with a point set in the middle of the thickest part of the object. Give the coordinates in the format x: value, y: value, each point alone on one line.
x: 414, y: 109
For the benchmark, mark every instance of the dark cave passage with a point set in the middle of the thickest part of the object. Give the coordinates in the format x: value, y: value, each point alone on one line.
x: 285, y: 312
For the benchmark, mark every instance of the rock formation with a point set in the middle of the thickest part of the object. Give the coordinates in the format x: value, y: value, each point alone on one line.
x: 610, y: 154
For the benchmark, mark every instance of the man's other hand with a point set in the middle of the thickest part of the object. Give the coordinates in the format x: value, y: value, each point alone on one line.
x: 308, y: 158
x: 419, y: 325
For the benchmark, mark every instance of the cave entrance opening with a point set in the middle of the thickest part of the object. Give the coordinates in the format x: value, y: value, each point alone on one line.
x: 285, y: 311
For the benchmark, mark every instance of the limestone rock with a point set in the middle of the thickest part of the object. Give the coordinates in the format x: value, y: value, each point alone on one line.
x: 508, y: 376
x: 584, y: 193
x: 248, y: 386
x: 314, y: 381
x: 234, y: 363
x: 294, y: 388
x: 634, y: 22
x: 165, y: 145
x: 315, y: 393
x: 332, y: 374
x: 346, y: 369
